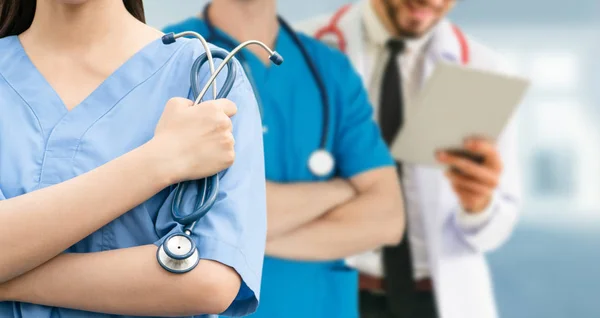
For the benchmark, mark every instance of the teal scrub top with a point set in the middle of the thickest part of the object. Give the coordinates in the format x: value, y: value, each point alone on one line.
x: 292, y: 126
x: 42, y: 144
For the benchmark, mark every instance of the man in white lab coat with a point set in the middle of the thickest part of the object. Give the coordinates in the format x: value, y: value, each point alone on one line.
x: 454, y: 216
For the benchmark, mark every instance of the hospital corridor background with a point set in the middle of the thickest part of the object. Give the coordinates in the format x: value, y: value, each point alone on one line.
x: 549, y: 268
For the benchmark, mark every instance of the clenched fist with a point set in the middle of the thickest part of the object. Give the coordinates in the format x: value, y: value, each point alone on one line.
x: 196, y: 141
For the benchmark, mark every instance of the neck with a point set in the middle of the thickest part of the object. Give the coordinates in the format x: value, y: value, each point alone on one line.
x: 247, y: 20
x: 69, y: 26
x: 382, y: 14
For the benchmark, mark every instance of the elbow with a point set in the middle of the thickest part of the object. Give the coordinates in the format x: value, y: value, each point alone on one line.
x: 223, y: 297
x: 394, y: 230
x: 392, y: 224
x: 212, y: 290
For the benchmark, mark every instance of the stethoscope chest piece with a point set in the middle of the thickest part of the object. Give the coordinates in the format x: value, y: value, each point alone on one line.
x: 178, y: 253
x: 321, y: 163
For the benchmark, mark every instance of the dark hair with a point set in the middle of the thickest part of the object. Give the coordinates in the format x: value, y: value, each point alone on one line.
x: 16, y: 15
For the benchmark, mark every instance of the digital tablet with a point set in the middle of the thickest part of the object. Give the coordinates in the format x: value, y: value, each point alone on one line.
x: 457, y: 102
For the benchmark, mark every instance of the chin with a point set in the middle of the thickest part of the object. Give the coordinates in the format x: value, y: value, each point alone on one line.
x: 71, y: 1
x: 416, y: 29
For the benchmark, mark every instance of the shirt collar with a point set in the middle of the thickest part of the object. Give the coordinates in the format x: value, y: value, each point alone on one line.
x: 378, y: 35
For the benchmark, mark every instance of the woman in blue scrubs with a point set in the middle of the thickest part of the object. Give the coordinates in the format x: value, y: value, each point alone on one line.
x: 313, y: 221
x: 88, y: 154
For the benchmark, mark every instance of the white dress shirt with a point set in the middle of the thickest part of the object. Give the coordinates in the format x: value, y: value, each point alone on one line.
x: 411, y: 69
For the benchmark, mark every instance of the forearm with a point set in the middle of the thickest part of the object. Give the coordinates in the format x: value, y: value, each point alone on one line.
x: 506, y: 201
x: 374, y: 218
x: 126, y: 282
x: 293, y: 205
x: 63, y: 214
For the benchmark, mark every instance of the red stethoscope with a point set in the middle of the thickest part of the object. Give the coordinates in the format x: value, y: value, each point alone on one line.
x: 333, y: 29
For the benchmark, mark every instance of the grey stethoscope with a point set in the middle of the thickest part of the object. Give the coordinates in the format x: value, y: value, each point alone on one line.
x: 178, y: 253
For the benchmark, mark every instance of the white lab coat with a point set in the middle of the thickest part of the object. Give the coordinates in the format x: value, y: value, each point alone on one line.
x: 459, y: 270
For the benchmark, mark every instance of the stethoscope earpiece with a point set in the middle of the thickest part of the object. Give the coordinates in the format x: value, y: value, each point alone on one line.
x: 276, y: 58
x: 168, y: 38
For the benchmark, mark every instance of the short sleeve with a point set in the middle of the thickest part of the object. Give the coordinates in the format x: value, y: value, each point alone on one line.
x: 234, y: 230
x: 359, y: 146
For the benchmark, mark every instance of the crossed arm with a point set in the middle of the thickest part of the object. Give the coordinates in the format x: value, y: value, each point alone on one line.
x: 332, y: 220
x: 118, y: 282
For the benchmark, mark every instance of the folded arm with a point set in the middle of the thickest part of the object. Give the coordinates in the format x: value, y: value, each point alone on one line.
x: 371, y: 219
x: 292, y: 205
x: 373, y: 216
x: 64, y: 214
x: 125, y: 282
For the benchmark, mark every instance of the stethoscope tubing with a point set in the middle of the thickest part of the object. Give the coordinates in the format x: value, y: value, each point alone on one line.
x: 184, y: 259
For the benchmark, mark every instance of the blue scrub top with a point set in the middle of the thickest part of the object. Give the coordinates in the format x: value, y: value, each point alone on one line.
x: 42, y: 144
x: 293, y: 123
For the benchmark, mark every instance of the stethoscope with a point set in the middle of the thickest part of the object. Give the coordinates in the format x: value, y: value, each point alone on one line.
x: 332, y: 29
x: 178, y: 253
x: 321, y: 162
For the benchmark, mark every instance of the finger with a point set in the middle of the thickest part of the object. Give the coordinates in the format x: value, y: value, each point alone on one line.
x: 486, y: 149
x: 468, y: 198
x: 228, y: 107
x: 461, y: 182
x: 224, y: 123
x: 481, y: 174
x: 180, y: 102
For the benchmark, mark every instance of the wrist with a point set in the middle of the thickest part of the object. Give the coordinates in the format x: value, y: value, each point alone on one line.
x: 480, y: 207
x: 341, y: 189
x: 161, y: 171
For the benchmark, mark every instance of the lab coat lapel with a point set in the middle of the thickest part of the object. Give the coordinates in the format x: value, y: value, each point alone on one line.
x: 436, y: 194
x: 443, y: 47
x: 455, y: 278
x: 352, y: 29
x: 433, y: 195
x: 431, y: 182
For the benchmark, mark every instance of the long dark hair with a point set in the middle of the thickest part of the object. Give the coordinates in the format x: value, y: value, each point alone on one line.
x: 16, y: 15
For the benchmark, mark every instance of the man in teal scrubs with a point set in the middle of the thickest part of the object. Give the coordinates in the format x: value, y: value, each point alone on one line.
x: 313, y: 221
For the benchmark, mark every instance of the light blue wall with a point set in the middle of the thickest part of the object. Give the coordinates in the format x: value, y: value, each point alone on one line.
x: 484, y: 12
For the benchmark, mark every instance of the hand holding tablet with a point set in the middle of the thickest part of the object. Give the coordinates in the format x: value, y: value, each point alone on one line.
x: 455, y: 104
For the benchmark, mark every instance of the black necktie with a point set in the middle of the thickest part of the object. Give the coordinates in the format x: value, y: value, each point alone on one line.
x: 391, y: 101
x: 397, y: 261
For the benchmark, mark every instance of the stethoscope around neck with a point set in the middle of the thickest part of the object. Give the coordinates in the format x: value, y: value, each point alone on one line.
x: 321, y: 162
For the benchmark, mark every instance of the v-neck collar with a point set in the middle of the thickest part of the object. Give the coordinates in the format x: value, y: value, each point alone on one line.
x: 49, y: 108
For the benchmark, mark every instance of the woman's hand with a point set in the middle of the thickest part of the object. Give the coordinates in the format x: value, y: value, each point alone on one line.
x: 195, y: 141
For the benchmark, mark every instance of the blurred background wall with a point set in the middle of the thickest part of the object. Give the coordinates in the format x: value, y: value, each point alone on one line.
x: 550, y: 268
